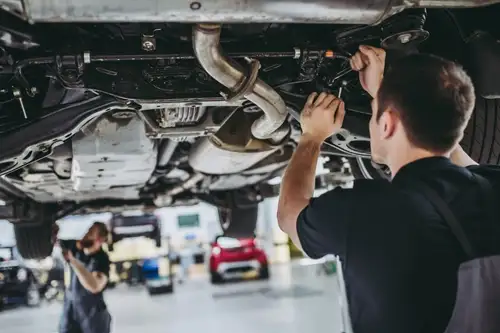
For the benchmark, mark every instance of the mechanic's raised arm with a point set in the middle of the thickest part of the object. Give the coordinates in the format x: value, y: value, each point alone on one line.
x: 94, y: 281
x: 321, y: 117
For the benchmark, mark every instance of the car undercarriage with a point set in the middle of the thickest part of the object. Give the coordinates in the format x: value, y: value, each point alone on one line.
x: 112, y: 105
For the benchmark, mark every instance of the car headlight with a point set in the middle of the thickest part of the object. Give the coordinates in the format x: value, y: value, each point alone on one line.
x: 22, y: 274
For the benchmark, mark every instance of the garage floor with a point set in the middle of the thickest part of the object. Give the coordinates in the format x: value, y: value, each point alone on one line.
x: 294, y: 300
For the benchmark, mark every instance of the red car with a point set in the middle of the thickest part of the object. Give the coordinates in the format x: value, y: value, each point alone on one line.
x: 235, y: 258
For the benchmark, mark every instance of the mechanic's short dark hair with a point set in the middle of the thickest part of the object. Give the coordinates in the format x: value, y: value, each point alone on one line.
x: 433, y: 97
x: 102, y: 229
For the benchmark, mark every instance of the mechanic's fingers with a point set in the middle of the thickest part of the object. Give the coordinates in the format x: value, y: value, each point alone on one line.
x: 381, y: 54
x: 339, y: 114
x: 328, y: 100
x: 320, y: 98
x: 311, y: 98
x: 306, y: 112
x: 334, y: 103
x: 357, y: 62
x: 370, y: 53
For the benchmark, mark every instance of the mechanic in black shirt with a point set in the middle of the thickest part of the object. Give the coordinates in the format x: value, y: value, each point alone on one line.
x: 84, y: 308
x: 400, y: 259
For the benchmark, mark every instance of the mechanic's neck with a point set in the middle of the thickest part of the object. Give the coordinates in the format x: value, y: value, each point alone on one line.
x: 405, y: 156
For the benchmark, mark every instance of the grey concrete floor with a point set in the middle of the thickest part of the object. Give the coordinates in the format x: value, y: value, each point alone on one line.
x: 294, y: 300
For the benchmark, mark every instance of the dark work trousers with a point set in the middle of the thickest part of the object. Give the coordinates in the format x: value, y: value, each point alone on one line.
x: 84, y: 315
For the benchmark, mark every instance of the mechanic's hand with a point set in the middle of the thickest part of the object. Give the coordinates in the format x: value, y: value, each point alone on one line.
x: 322, y: 116
x: 369, y: 61
x: 68, y: 255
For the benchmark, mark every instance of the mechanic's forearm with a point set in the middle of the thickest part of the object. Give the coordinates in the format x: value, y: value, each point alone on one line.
x: 297, y: 186
x: 460, y: 157
x: 86, y: 278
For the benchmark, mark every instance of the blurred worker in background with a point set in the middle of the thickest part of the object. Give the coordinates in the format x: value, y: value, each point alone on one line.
x: 84, y: 308
x: 186, y: 261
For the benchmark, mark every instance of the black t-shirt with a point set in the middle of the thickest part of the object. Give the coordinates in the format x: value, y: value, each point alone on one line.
x: 400, y: 259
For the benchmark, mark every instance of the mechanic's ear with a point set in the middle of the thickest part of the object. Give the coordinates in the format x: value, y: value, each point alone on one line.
x: 387, y: 124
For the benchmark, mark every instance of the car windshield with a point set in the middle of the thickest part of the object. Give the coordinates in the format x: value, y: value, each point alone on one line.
x: 6, y: 254
x: 136, y: 213
x: 228, y: 242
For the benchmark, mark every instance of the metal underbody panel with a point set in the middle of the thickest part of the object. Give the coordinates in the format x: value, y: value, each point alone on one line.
x: 224, y: 11
x: 49, y: 188
x: 116, y: 153
x: 231, y: 182
x: 111, y: 158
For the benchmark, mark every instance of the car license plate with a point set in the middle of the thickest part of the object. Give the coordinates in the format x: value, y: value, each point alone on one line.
x: 158, y: 282
x: 250, y: 274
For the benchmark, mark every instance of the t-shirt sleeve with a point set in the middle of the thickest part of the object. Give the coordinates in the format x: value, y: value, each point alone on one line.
x: 490, y: 172
x: 101, y: 263
x: 323, y: 225
x: 335, y: 219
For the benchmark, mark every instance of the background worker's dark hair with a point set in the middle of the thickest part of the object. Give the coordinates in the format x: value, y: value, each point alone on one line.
x: 433, y: 97
x: 102, y: 229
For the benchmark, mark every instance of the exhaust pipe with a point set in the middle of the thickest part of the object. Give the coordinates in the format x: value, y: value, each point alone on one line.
x: 166, y: 199
x: 165, y: 153
x: 206, y: 44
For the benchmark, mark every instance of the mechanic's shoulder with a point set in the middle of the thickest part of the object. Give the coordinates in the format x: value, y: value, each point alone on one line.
x: 489, y: 172
x: 371, y: 186
x: 361, y: 189
x: 486, y: 170
x: 102, y: 255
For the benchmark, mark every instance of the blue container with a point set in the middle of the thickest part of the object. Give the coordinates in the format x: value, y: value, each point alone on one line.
x: 158, y: 280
